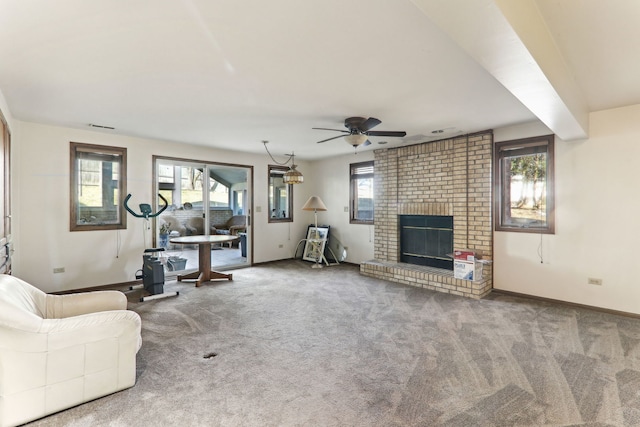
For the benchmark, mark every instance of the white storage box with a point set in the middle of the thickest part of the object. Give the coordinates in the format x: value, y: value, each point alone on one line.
x: 467, y: 270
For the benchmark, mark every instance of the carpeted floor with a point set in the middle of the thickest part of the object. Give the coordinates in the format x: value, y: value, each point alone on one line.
x: 285, y: 345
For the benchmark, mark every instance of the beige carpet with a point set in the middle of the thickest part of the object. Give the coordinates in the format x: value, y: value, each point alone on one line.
x: 300, y: 347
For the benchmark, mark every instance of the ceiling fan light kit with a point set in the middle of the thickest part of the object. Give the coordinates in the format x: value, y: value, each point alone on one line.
x: 356, y: 139
x: 359, y: 130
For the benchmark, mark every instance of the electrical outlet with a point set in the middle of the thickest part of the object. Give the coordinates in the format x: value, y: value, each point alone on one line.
x: 58, y: 270
x: 280, y: 246
x: 258, y: 208
x: 594, y: 281
x: 346, y: 208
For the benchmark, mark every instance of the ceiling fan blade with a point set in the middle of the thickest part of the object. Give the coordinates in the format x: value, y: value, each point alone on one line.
x: 370, y: 123
x: 329, y: 139
x: 398, y: 134
x: 337, y: 130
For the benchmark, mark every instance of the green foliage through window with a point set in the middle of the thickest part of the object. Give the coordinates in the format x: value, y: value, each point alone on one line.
x: 524, y: 197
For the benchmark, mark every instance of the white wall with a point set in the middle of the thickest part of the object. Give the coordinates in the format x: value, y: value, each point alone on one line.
x: 91, y: 258
x: 597, y: 220
x: 597, y: 225
x: 332, y: 186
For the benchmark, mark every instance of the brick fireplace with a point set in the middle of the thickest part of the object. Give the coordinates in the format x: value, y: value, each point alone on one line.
x: 450, y: 177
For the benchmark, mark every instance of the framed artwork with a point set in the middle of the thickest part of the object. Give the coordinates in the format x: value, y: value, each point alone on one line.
x: 315, y: 243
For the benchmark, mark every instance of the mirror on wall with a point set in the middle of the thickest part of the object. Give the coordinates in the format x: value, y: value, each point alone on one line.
x: 280, y: 195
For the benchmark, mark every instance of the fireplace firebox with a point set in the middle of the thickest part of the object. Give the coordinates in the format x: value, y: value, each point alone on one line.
x: 426, y: 240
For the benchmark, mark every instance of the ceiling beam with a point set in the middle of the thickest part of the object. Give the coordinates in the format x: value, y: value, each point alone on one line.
x: 510, y: 40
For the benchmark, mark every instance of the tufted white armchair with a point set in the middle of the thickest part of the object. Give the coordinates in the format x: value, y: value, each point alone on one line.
x: 57, y: 351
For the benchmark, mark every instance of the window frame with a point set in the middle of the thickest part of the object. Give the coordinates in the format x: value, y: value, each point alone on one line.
x: 5, y: 222
x: 271, y: 197
x: 520, y: 147
x: 5, y: 146
x: 353, y: 190
x: 98, y: 150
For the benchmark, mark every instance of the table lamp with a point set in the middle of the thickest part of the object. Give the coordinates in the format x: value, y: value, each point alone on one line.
x: 315, y: 204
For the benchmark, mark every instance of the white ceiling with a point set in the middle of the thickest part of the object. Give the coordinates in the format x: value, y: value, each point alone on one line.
x: 230, y: 74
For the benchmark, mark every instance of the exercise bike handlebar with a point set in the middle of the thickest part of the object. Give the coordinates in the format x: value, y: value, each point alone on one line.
x: 145, y: 208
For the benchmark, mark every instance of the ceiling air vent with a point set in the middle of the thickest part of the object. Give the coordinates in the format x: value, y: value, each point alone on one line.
x: 100, y: 126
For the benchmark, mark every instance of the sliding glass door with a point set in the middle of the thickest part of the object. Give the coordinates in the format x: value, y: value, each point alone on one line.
x: 204, y: 199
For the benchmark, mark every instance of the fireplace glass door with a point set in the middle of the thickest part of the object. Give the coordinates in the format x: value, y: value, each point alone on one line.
x: 426, y: 240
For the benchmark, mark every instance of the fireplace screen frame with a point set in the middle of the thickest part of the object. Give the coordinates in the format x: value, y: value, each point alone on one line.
x: 424, y: 229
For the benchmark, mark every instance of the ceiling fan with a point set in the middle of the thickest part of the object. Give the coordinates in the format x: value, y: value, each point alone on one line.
x: 359, y: 131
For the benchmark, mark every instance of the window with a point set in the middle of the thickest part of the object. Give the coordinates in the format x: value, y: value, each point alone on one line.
x: 218, y: 194
x: 280, y: 195
x: 5, y: 179
x: 523, y: 185
x: 98, y: 186
x: 361, y: 193
x: 239, y: 201
x: 5, y: 197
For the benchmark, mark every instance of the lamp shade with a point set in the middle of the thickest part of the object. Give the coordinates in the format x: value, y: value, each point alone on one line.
x: 293, y: 176
x: 314, y: 204
x: 356, y: 139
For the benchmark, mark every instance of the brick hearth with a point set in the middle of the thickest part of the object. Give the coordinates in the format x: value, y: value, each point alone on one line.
x: 447, y: 177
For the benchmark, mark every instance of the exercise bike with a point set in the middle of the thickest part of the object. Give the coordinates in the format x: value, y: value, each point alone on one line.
x: 152, y: 272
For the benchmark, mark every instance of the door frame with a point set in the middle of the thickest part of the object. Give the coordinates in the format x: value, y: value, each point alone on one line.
x: 250, y: 187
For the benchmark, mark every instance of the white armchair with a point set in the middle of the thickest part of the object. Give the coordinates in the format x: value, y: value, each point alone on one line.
x: 57, y: 351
